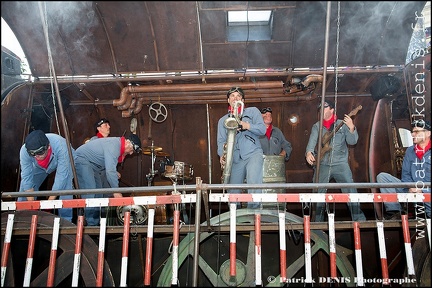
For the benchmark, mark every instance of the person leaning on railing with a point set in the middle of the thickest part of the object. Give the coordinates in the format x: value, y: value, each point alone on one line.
x: 41, y: 155
x: 416, y: 167
x: 102, y: 156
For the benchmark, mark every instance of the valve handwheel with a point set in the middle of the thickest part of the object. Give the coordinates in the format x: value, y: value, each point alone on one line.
x: 158, y: 112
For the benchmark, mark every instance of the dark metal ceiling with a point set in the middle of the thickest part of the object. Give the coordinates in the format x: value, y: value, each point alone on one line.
x: 158, y: 41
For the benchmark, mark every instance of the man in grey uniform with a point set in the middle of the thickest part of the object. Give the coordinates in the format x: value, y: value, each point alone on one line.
x: 247, y: 152
x: 334, y: 163
x: 274, y: 142
x: 102, y: 155
x: 42, y: 155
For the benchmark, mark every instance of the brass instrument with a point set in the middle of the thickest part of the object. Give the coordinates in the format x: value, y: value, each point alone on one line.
x: 232, y: 123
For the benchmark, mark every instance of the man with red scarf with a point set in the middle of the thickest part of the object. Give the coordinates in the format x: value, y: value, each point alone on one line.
x: 416, y: 167
x: 41, y: 155
x: 334, y: 164
x: 274, y: 142
x: 103, y: 129
x: 102, y: 156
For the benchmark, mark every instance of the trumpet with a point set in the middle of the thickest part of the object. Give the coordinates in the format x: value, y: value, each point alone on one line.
x: 232, y: 123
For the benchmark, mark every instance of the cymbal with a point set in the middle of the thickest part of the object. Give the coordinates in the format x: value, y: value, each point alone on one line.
x: 157, y: 153
x: 150, y: 148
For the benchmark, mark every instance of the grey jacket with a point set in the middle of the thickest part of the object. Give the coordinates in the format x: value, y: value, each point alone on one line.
x: 339, y: 143
x: 276, y: 143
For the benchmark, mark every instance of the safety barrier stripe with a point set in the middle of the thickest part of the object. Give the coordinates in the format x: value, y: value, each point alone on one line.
x: 258, y: 269
x: 78, y: 248
x: 219, y: 197
x: 282, y: 248
x: 125, y: 250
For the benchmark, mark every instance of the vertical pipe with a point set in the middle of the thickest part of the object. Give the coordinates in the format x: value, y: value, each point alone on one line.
x: 282, y: 248
x: 197, y: 232
x: 408, y: 249
x: 233, y: 220
x: 125, y: 249
x: 307, y: 254
x: 332, y: 243
x: 101, y: 252
x: 149, y: 247
x: 358, y: 255
x: 383, y: 254
x: 258, y: 281
x: 176, y: 235
x: 323, y: 90
x: 30, y: 250
x: 78, y: 244
x: 6, y: 247
x: 53, y: 255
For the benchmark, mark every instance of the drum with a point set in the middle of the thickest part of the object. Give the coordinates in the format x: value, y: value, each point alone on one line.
x: 179, y: 171
x: 138, y: 214
x: 274, y: 172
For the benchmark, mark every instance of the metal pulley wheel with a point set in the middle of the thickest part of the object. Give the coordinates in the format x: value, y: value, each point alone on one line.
x: 158, y: 112
x: 138, y: 213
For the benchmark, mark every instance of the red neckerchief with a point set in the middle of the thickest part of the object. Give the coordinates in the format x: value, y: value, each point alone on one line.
x: 99, y: 135
x: 44, y: 163
x: 268, y: 131
x: 420, y: 151
x: 327, y: 123
x: 122, y: 149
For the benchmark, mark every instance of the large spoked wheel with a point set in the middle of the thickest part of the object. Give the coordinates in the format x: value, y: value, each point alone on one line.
x: 214, y: 255
x: 65, y: 254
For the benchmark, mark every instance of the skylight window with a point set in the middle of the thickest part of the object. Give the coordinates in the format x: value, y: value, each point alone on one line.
x: 249, y: 25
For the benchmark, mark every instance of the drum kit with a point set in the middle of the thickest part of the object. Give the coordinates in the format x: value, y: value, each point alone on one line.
x: 174, y: 171
x: 177, y: 171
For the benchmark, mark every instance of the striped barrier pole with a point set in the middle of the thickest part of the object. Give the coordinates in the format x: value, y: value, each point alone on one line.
x: 149, y: 247
x: 53, y: 254
x: 408, y: 248
x: 282, y: 248
x: 358, y: 254
x: 125, y: 249
x: 383, y: 254
x: 332, y: 244
x: 6, y: 247
x: 176, y: 236
x: 308, y: 253
x: 258, y: 251
x: 101, y: 252
x: 78, y: 244
x: 30, y: 250
x: 233, y: 240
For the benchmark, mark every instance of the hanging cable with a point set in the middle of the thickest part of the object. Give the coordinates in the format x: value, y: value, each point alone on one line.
x: 50, y: 60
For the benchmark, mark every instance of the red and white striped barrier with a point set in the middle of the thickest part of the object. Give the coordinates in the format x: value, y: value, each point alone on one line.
x: 6, y: 247
x: 149, y: 247
x: 176, y: 237
x: 101, y: 253
x: 408, y: 248
x: 53, y: 254
x: 233, y: 241
x: 219, y: 197
x: 383, y: 253
x: 125, y: 249
x: 77, y: 257
x: 358, y: 255
x: 308, y: 251
x: 282, y: 248
x: 332, y: 245
x: 258, y: 278
x: 30, y: 250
